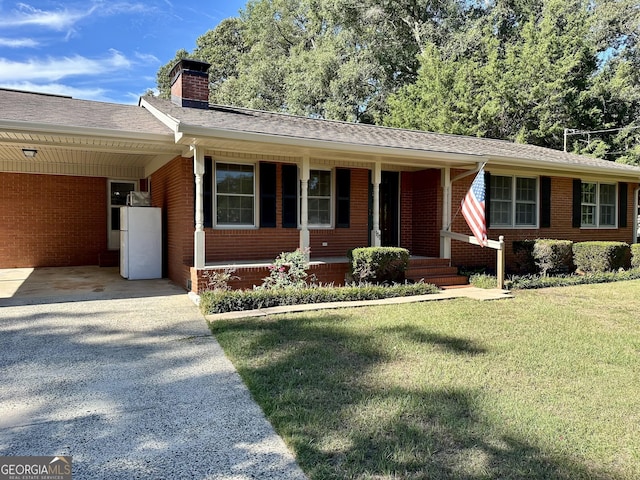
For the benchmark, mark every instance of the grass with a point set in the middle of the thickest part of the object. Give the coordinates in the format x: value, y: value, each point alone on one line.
x: 540, y: 387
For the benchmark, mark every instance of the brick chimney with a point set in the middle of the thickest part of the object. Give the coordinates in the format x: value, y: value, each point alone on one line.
x: 190, y: 84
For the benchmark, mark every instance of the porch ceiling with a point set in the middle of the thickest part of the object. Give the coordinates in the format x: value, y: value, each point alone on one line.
x: 67, y: 154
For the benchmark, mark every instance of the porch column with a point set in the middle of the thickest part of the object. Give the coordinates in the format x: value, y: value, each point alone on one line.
x: 304, y: 207
x: 445, y: 242
x: 376, y: 235
x: 198, y: 236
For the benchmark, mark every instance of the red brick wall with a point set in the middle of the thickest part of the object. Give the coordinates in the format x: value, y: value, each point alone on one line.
x: 52, y: 220
x: 464, y: 254
x: 421, y: 212
x: 172, y: 189
x: 223, y: 245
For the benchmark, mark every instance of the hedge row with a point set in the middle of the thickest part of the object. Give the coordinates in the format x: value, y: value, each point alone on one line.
x: 553, y: 257
x: 536, y: 281
x: 220, y: 301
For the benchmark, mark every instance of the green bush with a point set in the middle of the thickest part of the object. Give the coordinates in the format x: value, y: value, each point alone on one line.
x: 378, y: 264
x: 601, y: 256
x: 635, y: 255
x: 221, y: 301
x: 483, y: 280
x: 536, y: 281
x: 523, y: 262
x: 553, y: 256
x: 289, y: 270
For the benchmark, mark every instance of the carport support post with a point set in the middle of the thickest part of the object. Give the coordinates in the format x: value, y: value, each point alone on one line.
x: 304, y: 207
x: 198, y: 236
x: 376, y: 179
x: 445, y: 242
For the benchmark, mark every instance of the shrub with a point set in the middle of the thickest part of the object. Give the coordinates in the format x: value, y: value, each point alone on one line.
x: 553, y: 256
x: 601, y: 256
x: 483, y: 280
x: 289, y: 270
x: 523, y: 262
x: 635, y: 255
x: 217, y: 280
x: 536, y: 281
x: 221, y: 301
x: 378, y: 264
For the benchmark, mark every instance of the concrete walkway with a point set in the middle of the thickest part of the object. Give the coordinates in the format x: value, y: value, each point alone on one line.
x: 129, y: 387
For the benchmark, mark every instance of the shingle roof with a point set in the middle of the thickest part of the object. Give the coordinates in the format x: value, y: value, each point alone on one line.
x: 69, y: 112
x: 283, y: 125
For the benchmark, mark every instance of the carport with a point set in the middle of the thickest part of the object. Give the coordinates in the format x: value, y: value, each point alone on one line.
x: 24, y: 286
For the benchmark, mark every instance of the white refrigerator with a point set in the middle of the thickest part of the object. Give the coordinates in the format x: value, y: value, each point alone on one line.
x: 140, y: 243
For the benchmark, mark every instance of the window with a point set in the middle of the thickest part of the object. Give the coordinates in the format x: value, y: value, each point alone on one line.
x: 235, y: 194
x: 598, y: 205
x: 514, y: 201
x: 319, y: 197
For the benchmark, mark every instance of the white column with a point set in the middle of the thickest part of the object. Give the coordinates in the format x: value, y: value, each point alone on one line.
x: 198, y: 236
x: 376, y: 235
x: 304, y: 207
x: 445, y: 242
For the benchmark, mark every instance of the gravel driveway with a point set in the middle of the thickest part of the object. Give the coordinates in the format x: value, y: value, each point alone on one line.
x: 130, y: 388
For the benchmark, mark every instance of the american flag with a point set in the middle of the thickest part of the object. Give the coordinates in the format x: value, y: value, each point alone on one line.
x: 473, y: 209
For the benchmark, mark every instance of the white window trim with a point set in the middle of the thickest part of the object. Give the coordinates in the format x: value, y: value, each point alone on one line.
x: 332, y: 199
x: 513, y: 225
x: 256, y: 196
x: 597, y: 226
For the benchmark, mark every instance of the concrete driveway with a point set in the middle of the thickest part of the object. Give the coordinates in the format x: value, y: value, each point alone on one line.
x: 131, y: 388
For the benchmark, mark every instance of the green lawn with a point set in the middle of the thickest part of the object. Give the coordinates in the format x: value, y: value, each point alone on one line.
x: 543, y: 386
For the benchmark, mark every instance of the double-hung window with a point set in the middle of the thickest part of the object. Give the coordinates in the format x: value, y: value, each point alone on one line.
x: 514, y: 201
x: 235, y: 194
x: 598, y: 207
x: 319, y: 198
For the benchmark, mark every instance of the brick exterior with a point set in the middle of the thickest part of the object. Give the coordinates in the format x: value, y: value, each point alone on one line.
x: 52, y: 220
x: 421, y: 221
x: 463, y: 254
x: 172, y: 189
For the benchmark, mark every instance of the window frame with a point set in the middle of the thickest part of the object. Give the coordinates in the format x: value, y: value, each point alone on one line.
x: 597, y: 206
x: 514, y: 202
x: 332, y: 195
x: 255, y: 195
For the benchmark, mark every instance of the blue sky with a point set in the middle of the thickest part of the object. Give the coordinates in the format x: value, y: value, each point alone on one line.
x: 99, y: 50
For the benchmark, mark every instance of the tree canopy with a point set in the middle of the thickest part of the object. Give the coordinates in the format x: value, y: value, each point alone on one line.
x: 522, y: 70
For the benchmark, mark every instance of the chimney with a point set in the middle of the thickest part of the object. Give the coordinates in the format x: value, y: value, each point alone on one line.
x: 190, y: 84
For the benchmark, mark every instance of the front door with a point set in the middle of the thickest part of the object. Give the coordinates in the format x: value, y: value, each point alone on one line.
x: 390, y: 209
x: 118, y: 191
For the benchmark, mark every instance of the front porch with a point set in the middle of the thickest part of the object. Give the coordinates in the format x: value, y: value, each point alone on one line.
x: 326, y: 270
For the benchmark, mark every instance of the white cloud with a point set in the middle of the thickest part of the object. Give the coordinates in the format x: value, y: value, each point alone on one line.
x: 18, y: 42
x: 147, y: 57
x: 53, y: 69
x: 65, y: 19
x: 56, y: 20
x: 58, y: 89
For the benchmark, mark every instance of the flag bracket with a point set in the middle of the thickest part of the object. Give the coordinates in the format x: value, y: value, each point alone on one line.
x: 497, y: 245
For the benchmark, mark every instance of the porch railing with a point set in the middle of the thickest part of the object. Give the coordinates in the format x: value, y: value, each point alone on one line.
x: 496, y: 245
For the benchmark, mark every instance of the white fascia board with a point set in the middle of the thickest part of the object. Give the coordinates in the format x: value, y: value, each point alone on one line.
x: 167, y: 120
x: 568, y: 169
x: 187, y: 134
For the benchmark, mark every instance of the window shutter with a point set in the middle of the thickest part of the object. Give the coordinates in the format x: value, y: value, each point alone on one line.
x: 487, y: 198
x: 622, y: 205
x: 576, y: 217
x: 343, y: 197
x: 267, y: 195
x: 290, y: 196
x: 545, y: 202
x: 207, y: 189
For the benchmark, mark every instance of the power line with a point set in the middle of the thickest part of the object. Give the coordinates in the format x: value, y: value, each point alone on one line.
x: 574, y: 131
